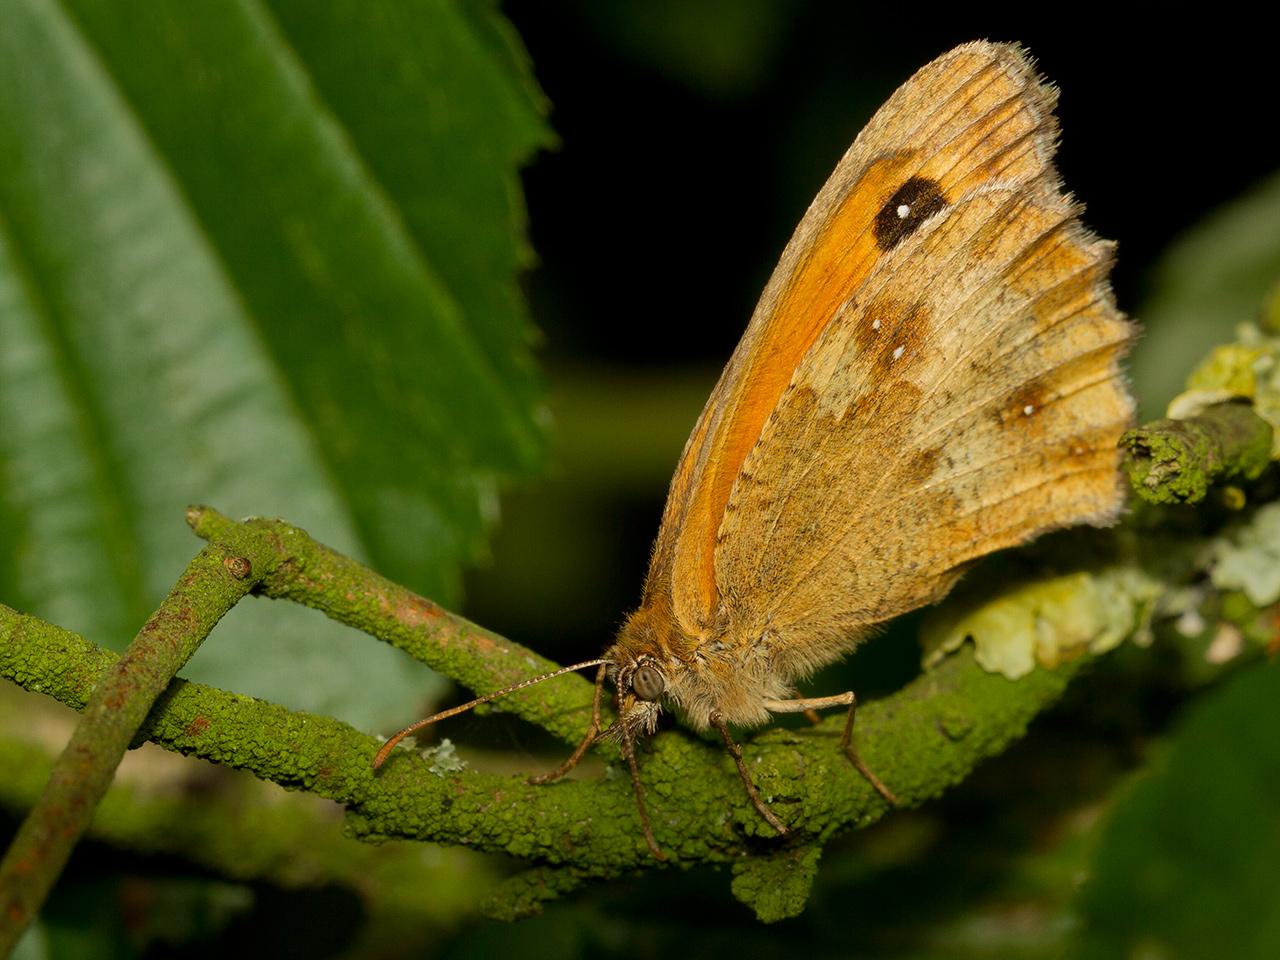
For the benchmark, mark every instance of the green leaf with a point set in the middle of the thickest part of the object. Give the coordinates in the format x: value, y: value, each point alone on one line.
x: 263, y: 256
x: 1187, y: 862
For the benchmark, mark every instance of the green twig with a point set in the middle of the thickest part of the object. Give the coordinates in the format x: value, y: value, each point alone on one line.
x: 921, y: 740
x: 246, y: 829
x: 316, y: 576
x: 122, y: 695
x: 1177, y: 461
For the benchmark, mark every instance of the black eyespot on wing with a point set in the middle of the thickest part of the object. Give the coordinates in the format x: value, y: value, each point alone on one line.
x: 911, y: 205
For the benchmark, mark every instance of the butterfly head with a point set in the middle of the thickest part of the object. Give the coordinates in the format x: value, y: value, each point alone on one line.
x: 638, y: 689
x: 639, y: 672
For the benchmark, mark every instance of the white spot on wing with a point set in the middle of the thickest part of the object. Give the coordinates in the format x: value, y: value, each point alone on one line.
x: 904, y: 210
x: 898, y: 352
x: 875, y: 324
x: 1029, y: 409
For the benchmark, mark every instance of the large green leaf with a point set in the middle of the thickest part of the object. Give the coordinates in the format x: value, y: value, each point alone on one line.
x: 1187, y: 863
x: 262, y: 255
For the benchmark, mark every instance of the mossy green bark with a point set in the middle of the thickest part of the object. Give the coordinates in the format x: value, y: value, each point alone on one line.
x: 316, y: 576
x: 921, y: 740
x: 777, y: 886
x: 218, y: 577
x: 523, y: 895
x: 1178, y: 461
x: 245, y: 830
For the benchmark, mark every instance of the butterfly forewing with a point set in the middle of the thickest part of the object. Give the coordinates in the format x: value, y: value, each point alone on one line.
x: 977, y: 115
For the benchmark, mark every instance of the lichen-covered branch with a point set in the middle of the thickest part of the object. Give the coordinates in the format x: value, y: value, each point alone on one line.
x: 122, y: 694
x: 922, y: 739
x: 293, y: 749
x: 247, y: 830
x: 1177, y: 461
x: 315, y: 576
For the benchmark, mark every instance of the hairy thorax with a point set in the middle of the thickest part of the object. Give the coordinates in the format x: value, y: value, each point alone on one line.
x: 732, y: 676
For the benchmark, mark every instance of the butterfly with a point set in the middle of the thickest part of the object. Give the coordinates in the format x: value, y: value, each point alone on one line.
x: 931, y: 374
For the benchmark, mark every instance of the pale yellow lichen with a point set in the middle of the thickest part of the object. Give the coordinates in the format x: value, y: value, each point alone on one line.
x: 1248, y: 558
x: 443, y: 758
x: 1046, y: 622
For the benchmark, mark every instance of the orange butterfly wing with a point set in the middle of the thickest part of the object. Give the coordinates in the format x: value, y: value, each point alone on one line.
x: 975, y: 116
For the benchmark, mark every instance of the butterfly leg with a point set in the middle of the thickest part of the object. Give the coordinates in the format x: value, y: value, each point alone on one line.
x: 629, y: 753
x: 808, y: 705
x: 581, y: 750
x: 735, y: 751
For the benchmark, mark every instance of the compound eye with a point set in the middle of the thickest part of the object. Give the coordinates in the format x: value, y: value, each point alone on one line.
x: 647, y: 682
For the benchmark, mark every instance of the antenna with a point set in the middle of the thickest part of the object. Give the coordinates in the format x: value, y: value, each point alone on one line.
x: 390, y: 745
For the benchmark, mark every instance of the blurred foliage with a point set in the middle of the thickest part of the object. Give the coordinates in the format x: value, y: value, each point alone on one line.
x: 672, y: 37
x: 1218, y: 274
x: 1187, y: 864
x: 124, y: 916
x: 265, y: 256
